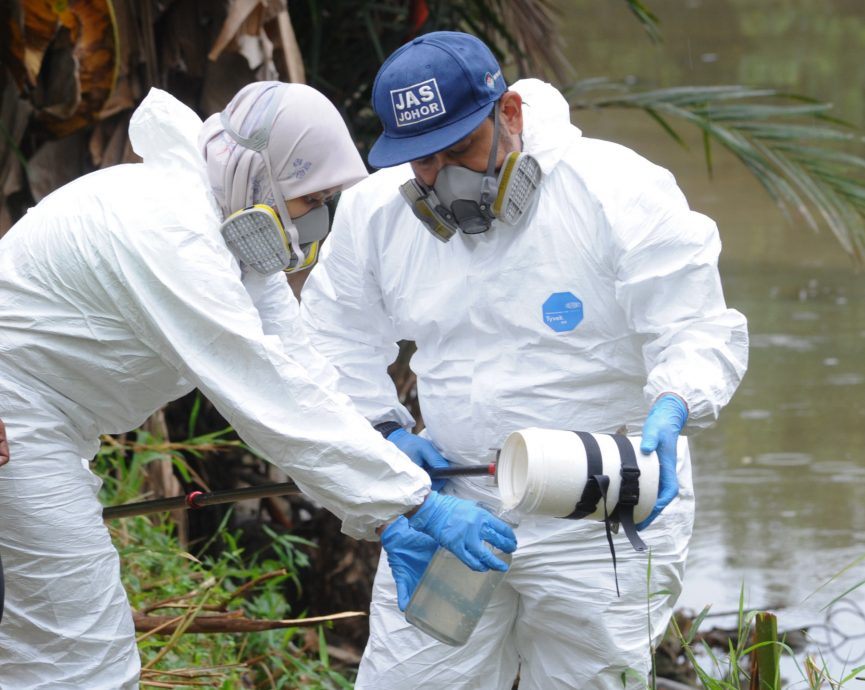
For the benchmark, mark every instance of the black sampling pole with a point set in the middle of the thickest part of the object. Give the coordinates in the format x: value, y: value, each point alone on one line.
x: 200, y: 499
x: 463, y: 471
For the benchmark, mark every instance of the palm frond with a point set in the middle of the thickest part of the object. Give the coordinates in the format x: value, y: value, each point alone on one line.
x: 537, y: 43
x: 809, y: 162
x: 647, y: 18
x: 524, y: 32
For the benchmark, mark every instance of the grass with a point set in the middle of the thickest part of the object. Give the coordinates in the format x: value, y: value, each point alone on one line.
x: 218, y: 579
x: 751, y: 660
x: 214, y: 581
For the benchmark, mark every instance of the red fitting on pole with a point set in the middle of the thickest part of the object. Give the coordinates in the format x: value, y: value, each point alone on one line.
x: 191, y: 497
x: 492, y: 469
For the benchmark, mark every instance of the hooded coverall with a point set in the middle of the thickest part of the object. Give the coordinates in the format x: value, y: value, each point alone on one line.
x: 603, y: 296
x: 117, y: 295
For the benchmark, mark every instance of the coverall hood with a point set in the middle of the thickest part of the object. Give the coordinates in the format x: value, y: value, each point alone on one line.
x: 164, y: 132
x: 547, y: 129
x: 308, y: 147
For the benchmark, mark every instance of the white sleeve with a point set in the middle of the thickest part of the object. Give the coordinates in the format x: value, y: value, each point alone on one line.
x: 184, y: 298
x: 280, y: 316
x: 344, y: 315
x: 668, y: 283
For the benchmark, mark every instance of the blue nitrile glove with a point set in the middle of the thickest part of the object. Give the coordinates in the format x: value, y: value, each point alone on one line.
x: 661, y: 433
x: 422, y: 452
x: 462, y: 527
x: 408, y: 554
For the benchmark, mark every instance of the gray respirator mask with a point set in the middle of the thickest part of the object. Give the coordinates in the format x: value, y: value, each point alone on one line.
x: 257, y: 238
x: 268, y: 239
x: 469, y: 201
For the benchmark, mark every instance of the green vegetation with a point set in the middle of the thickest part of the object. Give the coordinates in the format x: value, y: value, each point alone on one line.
x: 256, y: 638
x: 751, y: 659
x: 173, y: 590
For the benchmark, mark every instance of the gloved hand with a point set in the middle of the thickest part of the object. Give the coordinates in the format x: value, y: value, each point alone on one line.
x: 422, y: 452
x: 661, y: 433
x: 462, y: 527
x: 408, y: 554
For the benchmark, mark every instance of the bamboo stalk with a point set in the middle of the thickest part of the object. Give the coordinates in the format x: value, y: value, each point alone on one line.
x: 765, y: 672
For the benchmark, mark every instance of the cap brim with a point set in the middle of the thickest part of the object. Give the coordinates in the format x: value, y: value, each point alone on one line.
x: 389, y: 151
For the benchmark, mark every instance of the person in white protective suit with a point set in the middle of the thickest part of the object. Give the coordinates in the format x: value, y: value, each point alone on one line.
x: 548, y: 280
x: 131, y: 286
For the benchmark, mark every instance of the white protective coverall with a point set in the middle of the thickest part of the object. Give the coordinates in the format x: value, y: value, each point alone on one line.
x: 613, y: 232
x: 117, y: 295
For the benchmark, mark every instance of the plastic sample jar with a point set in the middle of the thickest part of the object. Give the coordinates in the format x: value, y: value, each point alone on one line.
x: 451, y: 597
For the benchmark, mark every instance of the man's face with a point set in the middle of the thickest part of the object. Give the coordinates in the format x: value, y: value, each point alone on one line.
x: 473, y: 152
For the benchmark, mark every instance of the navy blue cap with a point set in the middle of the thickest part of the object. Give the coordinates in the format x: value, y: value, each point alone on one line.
x: 431, y: 93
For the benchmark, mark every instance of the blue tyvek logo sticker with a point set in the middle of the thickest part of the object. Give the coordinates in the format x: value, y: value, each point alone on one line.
x: 563, y: 311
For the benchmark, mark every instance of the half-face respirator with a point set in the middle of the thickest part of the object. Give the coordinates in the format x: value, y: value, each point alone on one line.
x: 257, y: 238
x: 265, y: 239
x: 466, y: 200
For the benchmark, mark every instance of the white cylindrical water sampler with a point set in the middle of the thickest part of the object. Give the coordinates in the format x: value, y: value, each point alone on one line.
x: 545, y: 471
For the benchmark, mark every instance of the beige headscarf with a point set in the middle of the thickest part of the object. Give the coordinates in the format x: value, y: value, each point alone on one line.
x: 309, y: 146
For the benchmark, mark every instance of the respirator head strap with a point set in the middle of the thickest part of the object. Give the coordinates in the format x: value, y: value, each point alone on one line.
x: 260, y: 136
x: 257, y: 141
x: 489, y: 185
x: 508, y: 195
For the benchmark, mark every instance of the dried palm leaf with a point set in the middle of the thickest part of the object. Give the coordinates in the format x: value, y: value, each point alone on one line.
x: 245, y: 27
x: 63, y: 57
x: 244, y: 17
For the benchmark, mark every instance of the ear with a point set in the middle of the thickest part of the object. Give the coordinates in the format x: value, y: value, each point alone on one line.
x: 511, y: 109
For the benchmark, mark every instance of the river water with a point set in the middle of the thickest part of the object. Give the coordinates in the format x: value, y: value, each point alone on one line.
x: 780, y: 479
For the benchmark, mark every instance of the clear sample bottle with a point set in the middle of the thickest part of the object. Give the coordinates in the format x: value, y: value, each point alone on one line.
x: 451, y: 597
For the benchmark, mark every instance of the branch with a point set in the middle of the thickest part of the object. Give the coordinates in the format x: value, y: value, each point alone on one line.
x: 228, y: 623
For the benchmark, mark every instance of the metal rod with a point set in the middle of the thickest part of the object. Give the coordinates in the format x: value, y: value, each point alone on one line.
x: 143, y: 507
x: 200, y: 499
x: 463, y: 471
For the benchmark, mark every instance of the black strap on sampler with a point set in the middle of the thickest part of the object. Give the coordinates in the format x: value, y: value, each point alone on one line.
x: 595, y: 489
x: 604, y: 481
x: 629, y: 492
x: 597, y: 485
x: 592, y: 491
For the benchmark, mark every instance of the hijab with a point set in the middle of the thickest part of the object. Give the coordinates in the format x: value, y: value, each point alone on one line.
x: 302, y: 134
